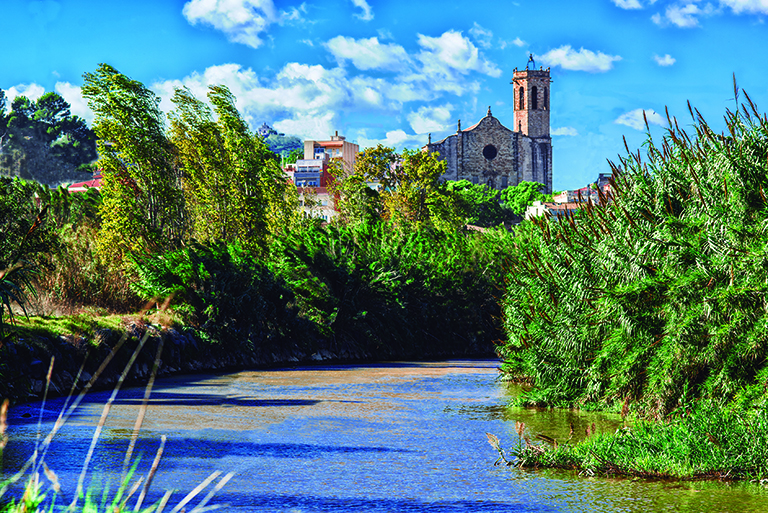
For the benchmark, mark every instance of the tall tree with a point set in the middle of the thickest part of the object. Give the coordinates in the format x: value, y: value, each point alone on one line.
x: 234, y: 186
x: 143, y: 205
x: 414, y: 193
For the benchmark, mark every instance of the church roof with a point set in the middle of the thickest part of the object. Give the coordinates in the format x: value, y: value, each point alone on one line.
x: 486, y: 119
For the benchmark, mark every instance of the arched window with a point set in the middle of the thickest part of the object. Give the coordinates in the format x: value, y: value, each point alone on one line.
x: 521, y: 99
x: 534, y: 98
x: 546, y: 98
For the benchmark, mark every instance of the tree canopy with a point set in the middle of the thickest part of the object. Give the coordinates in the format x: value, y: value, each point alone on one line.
x: 480, y: 203
x: 43, y: 141
x: 518, y: 197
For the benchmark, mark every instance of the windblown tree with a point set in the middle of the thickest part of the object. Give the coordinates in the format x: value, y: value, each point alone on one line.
x: 143, y: 204
x: 41, y: 140
x: 659, y: 296
x: 233, y: 183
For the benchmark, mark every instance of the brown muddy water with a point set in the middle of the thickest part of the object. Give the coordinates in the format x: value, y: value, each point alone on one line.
x: 401, y: 436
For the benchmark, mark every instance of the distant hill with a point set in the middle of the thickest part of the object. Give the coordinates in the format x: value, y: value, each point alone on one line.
x: 280, y: 144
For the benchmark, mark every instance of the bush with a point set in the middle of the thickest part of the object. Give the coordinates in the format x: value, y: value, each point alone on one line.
x: 659, y: 295
x: 222, y: 289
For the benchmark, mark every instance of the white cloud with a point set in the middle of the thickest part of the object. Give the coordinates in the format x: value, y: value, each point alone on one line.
x: 565, y: 130
x: 684, y: 14
x: 452, y: 53
x: 32, y: 91
x: 628, y: 4
x: 395, y: 139
x: 314, y: 126
x: 243, y: 21
x: 666, y: 60
x: 430, y: 119
x: 634, y: 119
x: 78, y: 104
x: 517, y: 42
x: 748, y: 6
x: 367, y: 14
x: 367, y: 54
x: 482, y: 35
x: 308, y: 99
x: 581, y: 60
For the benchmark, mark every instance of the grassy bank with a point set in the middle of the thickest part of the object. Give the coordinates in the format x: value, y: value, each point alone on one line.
x: 709, y: 442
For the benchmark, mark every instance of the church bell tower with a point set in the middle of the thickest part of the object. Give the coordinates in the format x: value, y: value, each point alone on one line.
x: 531, y: 94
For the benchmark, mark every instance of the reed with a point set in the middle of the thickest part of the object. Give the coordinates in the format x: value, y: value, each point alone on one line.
x: 629, y: 305
x: 42, y: 491
x: 710, y: 442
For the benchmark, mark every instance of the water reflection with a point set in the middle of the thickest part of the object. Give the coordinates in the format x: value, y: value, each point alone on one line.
x: 403, y: 436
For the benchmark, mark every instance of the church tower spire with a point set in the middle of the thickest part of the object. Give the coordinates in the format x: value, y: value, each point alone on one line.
x: 531, y: 98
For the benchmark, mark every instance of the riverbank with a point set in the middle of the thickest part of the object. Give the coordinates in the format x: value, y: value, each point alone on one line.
x: 88, y: 342
x: 706, y: 441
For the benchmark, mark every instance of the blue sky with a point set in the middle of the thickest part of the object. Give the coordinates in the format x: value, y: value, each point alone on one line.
x: 393, y: 71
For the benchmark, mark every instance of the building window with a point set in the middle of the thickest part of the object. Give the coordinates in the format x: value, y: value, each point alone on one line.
x: 521, y: 99
x: 503, y: 182
x: 490, y: 152
x: 546, y: 98
x: 474, y: 179
x: 534, y: 98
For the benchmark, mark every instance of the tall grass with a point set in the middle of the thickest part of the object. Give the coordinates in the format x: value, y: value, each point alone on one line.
x: 707, y: 442
x: 42, y: 491
x: 658, y: 294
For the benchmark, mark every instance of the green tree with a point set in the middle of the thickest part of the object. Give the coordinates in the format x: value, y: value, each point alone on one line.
x: 43, y: 141
x: 377, y: 165
x: 142, y: 202
x: 658, y: 297
x: 413, y: 193
x: 480, y: 204
x: 234, y: 186
x: 519, y: 197
x: 294, y: 155
x: 356, y: 202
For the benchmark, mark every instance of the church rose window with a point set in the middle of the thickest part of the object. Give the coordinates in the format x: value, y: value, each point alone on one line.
x: 490, y: 152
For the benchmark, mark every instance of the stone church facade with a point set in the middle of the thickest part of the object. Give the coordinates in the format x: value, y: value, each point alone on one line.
x: 492, y: 154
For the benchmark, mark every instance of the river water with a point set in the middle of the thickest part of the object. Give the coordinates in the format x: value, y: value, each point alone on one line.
x: 404, y: 436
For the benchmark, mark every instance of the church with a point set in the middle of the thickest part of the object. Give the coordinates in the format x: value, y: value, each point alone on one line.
x: 492, y: 154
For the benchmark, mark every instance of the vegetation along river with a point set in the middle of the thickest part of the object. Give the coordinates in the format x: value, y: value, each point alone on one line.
x: 406, y: 436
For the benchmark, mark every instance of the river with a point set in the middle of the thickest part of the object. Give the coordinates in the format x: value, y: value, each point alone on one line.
x: 402, y: 436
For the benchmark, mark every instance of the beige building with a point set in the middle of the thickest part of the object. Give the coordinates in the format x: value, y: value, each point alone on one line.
x: 490, y: 153
x: 337, y: 147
